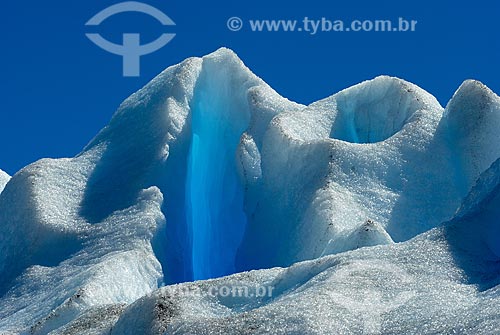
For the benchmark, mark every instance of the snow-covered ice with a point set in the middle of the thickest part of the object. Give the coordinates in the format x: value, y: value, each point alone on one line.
x: 373, y: 211
x: 4, y: 179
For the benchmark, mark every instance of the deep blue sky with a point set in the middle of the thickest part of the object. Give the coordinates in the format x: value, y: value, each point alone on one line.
x: 58, y: 89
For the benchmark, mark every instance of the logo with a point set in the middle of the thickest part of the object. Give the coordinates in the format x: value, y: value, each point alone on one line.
x: 131, y: 50
x: 363, y: 280
x: 234, y: 23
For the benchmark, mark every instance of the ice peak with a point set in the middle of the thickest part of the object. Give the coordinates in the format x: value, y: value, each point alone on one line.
x: 4, y: 179
x: 472, y: 94
x: 224, y: 54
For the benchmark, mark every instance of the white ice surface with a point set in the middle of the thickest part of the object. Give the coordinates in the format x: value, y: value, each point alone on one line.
x: 383, y: 150
x: 4, y: 179
x: 444, y: 281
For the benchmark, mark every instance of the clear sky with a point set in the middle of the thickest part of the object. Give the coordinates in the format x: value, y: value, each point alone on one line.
x: 58, y: 89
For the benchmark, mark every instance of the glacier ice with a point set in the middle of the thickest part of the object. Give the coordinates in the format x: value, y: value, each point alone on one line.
x: 444, y: 281
x: 4, y: 179
x: 346, y: 164
x: 372, y: 211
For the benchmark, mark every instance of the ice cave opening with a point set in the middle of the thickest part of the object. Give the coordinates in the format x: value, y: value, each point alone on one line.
x: 208, y: 215
x: 214, y: 193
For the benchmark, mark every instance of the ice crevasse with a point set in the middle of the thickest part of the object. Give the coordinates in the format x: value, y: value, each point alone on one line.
x: 372, y: 211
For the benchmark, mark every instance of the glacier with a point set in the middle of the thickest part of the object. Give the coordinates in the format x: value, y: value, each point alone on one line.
x: 4, y: 178
x: 372, y: 211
